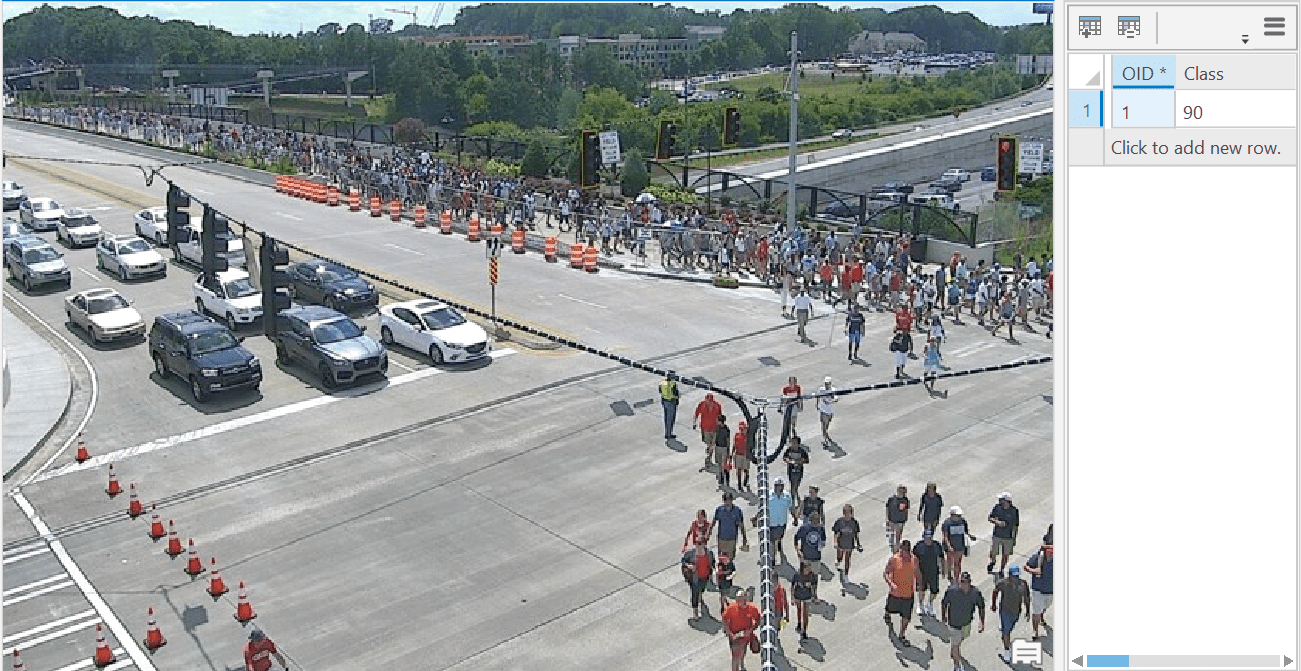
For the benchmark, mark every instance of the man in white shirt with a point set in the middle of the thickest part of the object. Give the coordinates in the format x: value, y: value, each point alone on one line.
x: 803, y: 310
x: 826, y: 408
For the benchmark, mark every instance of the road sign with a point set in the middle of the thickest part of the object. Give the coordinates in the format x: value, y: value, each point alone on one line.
x: 492, y: 248
x: 492, y: 271
x: 1032, y: 157
x: 1042, y: 8
x: 610, y: 147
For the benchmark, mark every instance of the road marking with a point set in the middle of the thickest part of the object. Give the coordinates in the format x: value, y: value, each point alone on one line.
x: 31, y: 585
x: 399, y: 365
x: 44, y: 590
x: 122, y: 663
x: 99, y: 461
x: 27, y: 550
x: 88, y: 273
x: 968, y: 350
x: 16, y: 641
x: 399, y: 247
x: 579, y: 300
x: 289, y: 216
x: 207, y: 193
x: 130, y: 647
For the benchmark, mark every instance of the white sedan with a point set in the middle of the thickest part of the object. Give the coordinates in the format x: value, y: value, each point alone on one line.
x: 77, y: 228
x: 128, y: 257
x: 956, y: 174
x: 435, y: 329
x: 104, y: 314
x: 40, y: 214
x: 151, y: 224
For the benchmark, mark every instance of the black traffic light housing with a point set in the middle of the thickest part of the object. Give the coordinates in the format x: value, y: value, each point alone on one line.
x: 667, y: 141
x: 590, y: 169
x: 177, y: 217
x: 731, y: 127
x: 215, y: 231
x: 1006, y: 163
x: 273, y: 262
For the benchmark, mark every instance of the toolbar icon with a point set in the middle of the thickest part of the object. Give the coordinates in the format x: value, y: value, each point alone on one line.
x: 1027, y: 652
x: 1090, y: 25
x: 1127, y: 26
x: 1274, y: 26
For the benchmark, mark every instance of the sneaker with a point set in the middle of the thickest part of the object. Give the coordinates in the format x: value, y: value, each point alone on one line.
x: 990, y: 568
x: 904, y: 642
x: 1006, y: 656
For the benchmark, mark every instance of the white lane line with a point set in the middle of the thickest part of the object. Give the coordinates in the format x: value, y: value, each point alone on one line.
x: 99, y: 461
x: 579, y: 300
x: 17, y: 640
x: 32, y: 585
x: 88, y: 273
x: 399, y: 247
x: 122, y: 663
x: 40, y: 592
x: 129, y: 645
x: 400, y: 365
x: 28, y: 550
x: 94, y: 391
x: 289, y: 216
x: 206, y: 193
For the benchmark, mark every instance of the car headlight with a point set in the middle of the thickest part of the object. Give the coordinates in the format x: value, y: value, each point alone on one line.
x: 254, y: 363
x: 335, y: 358
x: 209, y: 372
x: 452, y: 345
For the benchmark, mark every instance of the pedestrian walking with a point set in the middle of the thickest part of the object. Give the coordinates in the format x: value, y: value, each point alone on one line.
x: 902, y: 578
x: 826, y: 408
x: 259, y: 651
x: 900, y: 344
x: 723, y: 572
x: 779, y: 510
x: 804, y: 586
x: 929, y: 507
x: 846, y: 532
x: 669, y: 402
x: 741, y: 455
x: 722, y: 438
x: 896, y: 514
x: 855, y: 325
x: 780, y: 603
x: 803, y: 306
x: 930, y: 555
x: 706, y: 417
x: 1040, y: 568
x: 791, y: 405
x: 730, y: 522
x: 1011, y: 596
x: 956, y: 533
x: 931, y: 362
x: 936, y: 331
x: 741, y: 618
x: 809, y: 541
x: 699, y: 531
x: 960, y: 604
x: 811, y: 505
x: 796, y: 458
x: 697, y: 566
x: 1006, y: 518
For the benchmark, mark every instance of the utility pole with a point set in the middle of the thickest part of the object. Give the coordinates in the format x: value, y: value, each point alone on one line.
x: 794, y: 133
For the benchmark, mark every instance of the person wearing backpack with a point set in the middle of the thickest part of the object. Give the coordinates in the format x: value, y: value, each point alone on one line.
x: 899, y: 345
x: 697, y: 566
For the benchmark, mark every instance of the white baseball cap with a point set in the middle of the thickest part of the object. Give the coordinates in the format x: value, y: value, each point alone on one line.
x: 1005, y: 496
x: 955, y: 510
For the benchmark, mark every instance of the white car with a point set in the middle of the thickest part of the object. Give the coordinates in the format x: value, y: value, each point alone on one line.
x: 14, y: 194
x: 40, y: 214
x: 151, y: 224
x: 230, y: 296
x: 77, y: 228
x: 958, y: 174
x: 129, y: 256
x: 104, y: 314
x: 842, y: 134
x: 435, y: 329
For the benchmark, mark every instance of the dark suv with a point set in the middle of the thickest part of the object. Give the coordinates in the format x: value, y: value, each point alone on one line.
x: 328, y: 341
x: 331, y: 285
x: 203, y: 353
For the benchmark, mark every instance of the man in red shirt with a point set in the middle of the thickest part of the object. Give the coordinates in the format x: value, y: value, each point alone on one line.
x: 257, y: 656
x: 903, y: 319
x: 706, y: 417
x: 826, y: 277
x: 855, y: 280
x: 902, y: 576
x: 741, y: 619
x: 847, y: 283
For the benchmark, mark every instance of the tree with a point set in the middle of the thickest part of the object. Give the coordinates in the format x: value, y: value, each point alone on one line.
x: 635, y: 179
x: 409, y: 130
x: 327, y: 29
x: 381, y: 26
x: 535, y: 160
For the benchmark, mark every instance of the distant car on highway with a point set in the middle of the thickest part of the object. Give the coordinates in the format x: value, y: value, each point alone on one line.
x: 435, y: 329
x: 104, y: 314
x: 40, y: 214
x: 947, y: 184
x: 988, y: 174
x: 76, y: 228
x: 842, y: 134
x: 840, y: 209
x: 14, y: 195
x: 331, y: 285
x: 129, y: 256
x: 893, y: 187
x: 942, y: 201
x: 328, y: 341
x: 957, y: 173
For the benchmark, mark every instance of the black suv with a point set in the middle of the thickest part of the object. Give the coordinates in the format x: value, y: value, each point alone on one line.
x: 328, y: 341
x: 331, y: 285
x: 203, y: 353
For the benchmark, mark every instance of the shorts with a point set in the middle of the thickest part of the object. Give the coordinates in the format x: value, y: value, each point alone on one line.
x: 740, y: 462
x: 900, y: 359
x: 1039, y: 602
x: 899, y: 605
x: 1002, y: 545
x: 855, y: 337
x: 1006, y: 621
x: 931, y: 582
x: 777, y: 532
x: 816, y: 565
x: 709, y: 437
x: 931, y: 368
x: 727, y: 546
x: 959, y: 634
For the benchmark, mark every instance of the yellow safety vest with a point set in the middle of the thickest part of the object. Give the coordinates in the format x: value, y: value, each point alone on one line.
x: 668, y: 390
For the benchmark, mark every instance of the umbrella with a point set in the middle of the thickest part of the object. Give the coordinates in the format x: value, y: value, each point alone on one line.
x: 645, y: 198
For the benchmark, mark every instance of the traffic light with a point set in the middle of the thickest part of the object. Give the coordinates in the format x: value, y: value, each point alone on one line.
x: 177, y: 217
x: 273, y: 262
x: 590, y: 173
x: 212, y: 239
x: 1006, y: 164
x: 731, y: 127
x: 667, y: 142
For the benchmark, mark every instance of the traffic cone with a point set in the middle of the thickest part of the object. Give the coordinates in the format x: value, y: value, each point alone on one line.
x: 18, y: 662
x: 217, y: 586
x: 173, y: 541
x: 243, y: 611
x: 82, y: 453
x: 153, y: 637
x: 193, y: 565
x: 113, y: 487
x: 103, y: 654
x: 135, y: 509
x: 156, y: 529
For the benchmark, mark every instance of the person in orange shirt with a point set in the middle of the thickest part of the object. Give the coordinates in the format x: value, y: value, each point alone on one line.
x: 826, y: 277
x: 698, y: 534
x: 741, y: 618
x: 706, y: 418
x: 856, y: 280
x: 902, y: 576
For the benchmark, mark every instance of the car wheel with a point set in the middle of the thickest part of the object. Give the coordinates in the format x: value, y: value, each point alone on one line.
x: 435, y: 354
x: 27, y: 283
x: 121, y: 273
x: 196, y: 389
x: 198, y: 306
x: 282, y: 355
x: 70, y: 322
x: 327, y: 378
x: 385, y: 335
x: 231, y: 323
x: 95, y: 334
x: 99, y: 262
x: 159, y: 366
x: 383, y: 366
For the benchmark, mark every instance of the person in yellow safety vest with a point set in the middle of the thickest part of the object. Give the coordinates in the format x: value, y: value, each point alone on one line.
x: 669, y: 401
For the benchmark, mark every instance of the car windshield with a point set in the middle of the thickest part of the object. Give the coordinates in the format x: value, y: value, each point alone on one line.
x: 105, y: 304
x: 326, y: 274
x: 42, y: 206
x: 79, y: 221
x: 134, y: 247
x: 211, y: 341
x: 40, y: 255
x: 335, y: 331
x: 239, y: 288
x: 443, y: 318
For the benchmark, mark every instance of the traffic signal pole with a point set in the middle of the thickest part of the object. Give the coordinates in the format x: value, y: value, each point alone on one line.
x: 794, y: 134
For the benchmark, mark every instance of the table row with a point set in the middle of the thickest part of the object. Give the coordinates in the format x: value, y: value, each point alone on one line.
x: 1171, y: 108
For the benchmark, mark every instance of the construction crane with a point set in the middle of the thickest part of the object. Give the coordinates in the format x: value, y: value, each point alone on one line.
x: 413, y: 12
x: 437, y: 13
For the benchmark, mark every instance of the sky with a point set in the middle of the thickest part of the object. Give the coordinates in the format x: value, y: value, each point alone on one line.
x: 244, y: 17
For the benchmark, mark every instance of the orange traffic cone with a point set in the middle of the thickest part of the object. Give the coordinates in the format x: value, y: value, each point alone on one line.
x: 135, y: 509
x: 18, y: 662
x: 217, y: 586
x: 243, y: 611
x: 173, y: 541
x: 156, y: 529
x: 193, y: 565
x: 153, y: 637
x: 113, y: 487
x: 103, y: 654
x: 82, y: 453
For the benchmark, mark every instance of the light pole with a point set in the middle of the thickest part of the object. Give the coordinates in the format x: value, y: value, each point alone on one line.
x: 794, y: 134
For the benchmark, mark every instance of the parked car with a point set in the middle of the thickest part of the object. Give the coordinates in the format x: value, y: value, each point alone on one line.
x: 105, y: 315
x: 988, y: 173
x: 14, y: 195
x: 435, y: 329
x: 40, y: 214
x: 330, y: 284
x: 229, y: 295
x: 203, y: 353
x: 329, y: 342
x: 957, y: 173
x: 129, y: 256
x: 151, y: 224
x: 33, y: 262
x: 76, y: 228
x: 842, y: 134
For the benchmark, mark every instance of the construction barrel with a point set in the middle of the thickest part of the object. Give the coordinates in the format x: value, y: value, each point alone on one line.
x: 549, y: 249
x: 517, y: 241
x: 332, y: 196
x: 375, y: 207
x: 395, y: 210
x: 472, y: 231
x: 589, y: 258
x: 420, y: 216
x: 354, y: 200
x: 576, y: 255
x: 445, y: 222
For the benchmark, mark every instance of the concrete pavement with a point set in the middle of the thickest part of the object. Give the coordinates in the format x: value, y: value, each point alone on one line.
x: 36, y: 391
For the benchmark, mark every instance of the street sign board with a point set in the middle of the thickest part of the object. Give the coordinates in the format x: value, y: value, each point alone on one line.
x: 492, y: 246
x: 610, y: 147
x: 1042, y: 8
x: 1032, y: 157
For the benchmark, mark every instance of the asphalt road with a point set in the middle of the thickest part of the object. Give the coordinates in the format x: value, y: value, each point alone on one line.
x: 525, y: 513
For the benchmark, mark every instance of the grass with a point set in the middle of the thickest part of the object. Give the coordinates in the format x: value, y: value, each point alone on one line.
x: 362, y: 108
x: 811, y: 85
